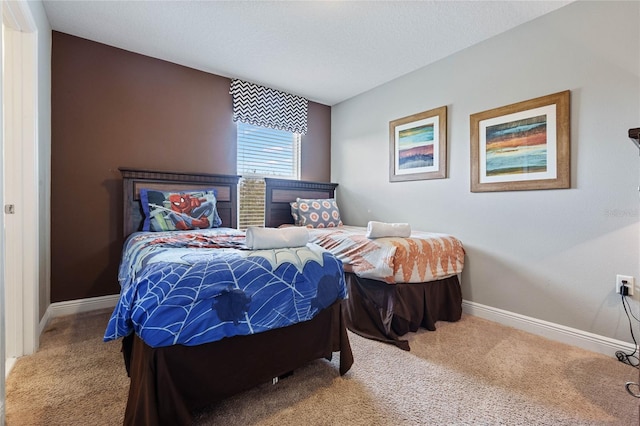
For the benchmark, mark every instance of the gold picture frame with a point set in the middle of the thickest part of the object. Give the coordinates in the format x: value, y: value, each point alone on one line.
x: 522, y: 146
x: 418, y: 146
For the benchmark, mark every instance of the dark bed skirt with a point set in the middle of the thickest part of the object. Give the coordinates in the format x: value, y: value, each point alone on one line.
x: 384, y: 312
x: 168, y: 383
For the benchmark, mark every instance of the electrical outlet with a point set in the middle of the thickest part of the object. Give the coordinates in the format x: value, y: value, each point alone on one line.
x: 630, y: 283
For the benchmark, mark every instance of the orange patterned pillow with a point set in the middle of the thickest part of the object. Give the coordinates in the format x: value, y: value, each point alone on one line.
x: 294, y: 213
x: 318, y: 213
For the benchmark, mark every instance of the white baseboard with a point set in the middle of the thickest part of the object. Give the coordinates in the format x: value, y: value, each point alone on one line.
x: 77, y: 306
x: 557, y: 332
x: 8, y: 365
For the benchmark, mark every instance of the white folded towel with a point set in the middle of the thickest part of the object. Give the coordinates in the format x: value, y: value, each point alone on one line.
x: 273, y: 238
x: 382, y: 229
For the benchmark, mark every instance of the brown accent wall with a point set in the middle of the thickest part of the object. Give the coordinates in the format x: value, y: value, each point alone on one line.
x: 315, y: 158
x: 113, y: 108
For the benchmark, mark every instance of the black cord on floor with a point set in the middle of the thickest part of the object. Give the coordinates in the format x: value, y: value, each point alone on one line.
x: 630, y: 359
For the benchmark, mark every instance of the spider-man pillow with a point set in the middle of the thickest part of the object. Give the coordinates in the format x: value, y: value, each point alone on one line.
x: 179, y: 210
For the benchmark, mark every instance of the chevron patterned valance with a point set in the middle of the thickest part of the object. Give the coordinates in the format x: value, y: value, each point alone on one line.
x: 262, y: 106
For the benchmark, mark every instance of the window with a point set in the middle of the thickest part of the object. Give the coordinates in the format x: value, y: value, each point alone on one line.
x: 268, y: 152
x: 263, y: 152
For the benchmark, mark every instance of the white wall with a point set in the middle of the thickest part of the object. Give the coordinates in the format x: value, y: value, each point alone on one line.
x: 550, y: 254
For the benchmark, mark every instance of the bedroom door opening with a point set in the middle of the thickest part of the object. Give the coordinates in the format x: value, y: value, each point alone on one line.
x: 19, y: 181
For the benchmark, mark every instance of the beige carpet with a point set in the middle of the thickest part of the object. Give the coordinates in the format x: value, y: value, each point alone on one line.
x: 473, y: 372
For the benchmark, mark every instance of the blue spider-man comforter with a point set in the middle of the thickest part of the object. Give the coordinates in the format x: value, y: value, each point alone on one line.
x: 193, y: 287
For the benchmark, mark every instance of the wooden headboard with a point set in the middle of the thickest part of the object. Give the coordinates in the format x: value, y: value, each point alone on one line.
x: 134, y: 179
x: 280, y: 192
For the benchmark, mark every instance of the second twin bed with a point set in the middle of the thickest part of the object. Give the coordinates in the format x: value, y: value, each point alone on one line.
x: 395, y: 284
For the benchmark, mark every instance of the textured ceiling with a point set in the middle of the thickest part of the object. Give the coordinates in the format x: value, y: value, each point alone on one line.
x: 326, y: 51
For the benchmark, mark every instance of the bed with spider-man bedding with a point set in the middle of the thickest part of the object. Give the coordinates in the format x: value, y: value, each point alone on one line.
x: 202, y: 317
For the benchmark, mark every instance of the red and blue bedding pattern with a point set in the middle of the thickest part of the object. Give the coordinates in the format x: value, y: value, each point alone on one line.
x: 194, y: 287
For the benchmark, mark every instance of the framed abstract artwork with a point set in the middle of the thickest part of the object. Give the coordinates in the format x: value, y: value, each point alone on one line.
x: 418, y: 146
x: 523, y: 146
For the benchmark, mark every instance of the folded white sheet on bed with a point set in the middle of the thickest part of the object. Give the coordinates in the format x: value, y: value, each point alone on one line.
x: 273, y: 238
x: 383, y: 229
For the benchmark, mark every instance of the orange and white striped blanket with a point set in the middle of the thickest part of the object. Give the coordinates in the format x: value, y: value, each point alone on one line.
x: 425, y: 256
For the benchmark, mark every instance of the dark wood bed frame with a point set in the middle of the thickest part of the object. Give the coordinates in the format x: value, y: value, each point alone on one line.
x: 374, y: 309
x: 169, y: 383
x: 281, y: 192
x: 134, y: 179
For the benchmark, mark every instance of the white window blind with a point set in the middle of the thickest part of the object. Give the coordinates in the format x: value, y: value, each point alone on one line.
x: 268, y: 152
x: 263, y: 152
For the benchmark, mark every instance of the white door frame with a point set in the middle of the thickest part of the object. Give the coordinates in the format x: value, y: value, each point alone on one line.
x: 21, y: 256
x: 2, y: 303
